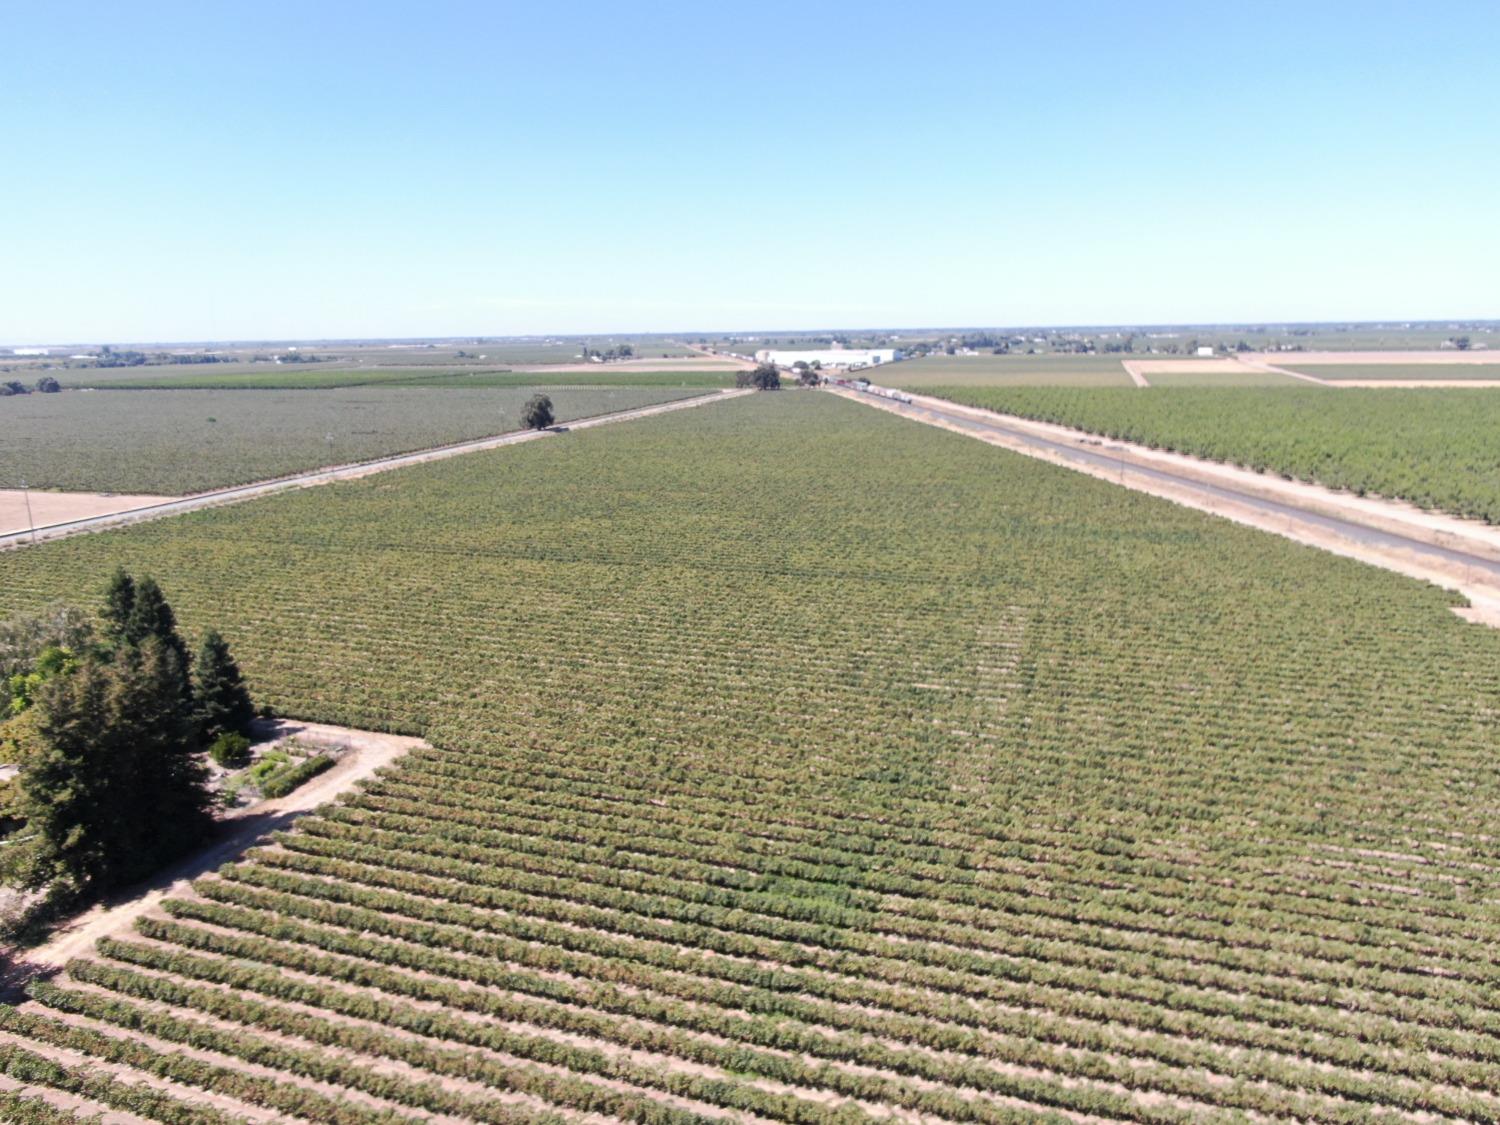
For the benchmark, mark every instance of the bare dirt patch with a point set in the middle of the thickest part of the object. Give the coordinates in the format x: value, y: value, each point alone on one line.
x: 61, y: 507
x: 1182, y: 366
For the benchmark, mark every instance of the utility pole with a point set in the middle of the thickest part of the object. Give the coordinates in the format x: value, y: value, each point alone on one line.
x: 30, y: 523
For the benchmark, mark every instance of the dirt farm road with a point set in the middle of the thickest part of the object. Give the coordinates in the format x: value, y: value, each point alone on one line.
x: 1462, y: 555
x: 364, y: 752
x: 174, y: 505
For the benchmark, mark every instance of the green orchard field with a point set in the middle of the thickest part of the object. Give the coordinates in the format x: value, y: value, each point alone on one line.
x: 800, y: 763
x: 174, y: 442
x: 1436, y: 448
x: 1384, y: 371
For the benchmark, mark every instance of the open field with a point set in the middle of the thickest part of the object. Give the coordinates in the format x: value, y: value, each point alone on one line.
x: 1004, y: 371
x: 36, y: 508
x: 259, y: 376
x: 1396, y: 371
x: 613, y: 375
x: 1202, y: 373
x: 176, y: 442
x: 1236, y: 376
x: 961, y: 786
x: 1373, y: 337
x: 1444, y: 356
x: 326, y: 377
x: 1434, y: 448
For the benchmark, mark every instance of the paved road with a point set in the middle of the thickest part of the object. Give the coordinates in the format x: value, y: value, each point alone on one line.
x: 1098, y: 457
x: 343, y: 472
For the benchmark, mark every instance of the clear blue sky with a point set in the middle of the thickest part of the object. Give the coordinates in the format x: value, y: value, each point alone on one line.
x: 179, y: 171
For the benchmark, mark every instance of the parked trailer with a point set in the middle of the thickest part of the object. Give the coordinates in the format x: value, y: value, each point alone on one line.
x: 864, y: 386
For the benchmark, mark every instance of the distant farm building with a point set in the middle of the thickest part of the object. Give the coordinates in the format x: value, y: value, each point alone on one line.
x: 834, y: 357
x: 30, y: 351
x: 1205, y: 350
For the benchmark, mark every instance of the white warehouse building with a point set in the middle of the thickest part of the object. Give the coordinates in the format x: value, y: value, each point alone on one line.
x: 834, y: 357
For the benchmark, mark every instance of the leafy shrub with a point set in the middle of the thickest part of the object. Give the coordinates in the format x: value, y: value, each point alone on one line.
x: 230, y: 750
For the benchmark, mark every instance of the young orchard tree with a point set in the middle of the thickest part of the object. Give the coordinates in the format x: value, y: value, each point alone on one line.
x: 537, y: 413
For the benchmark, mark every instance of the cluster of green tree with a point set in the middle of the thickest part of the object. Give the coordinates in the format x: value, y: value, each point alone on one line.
x: 808, y: 374
x: 286, y: 357
x: 47, y: 385
x: 765, y: 377
x: 108, y: 728
x: 127, y: 357
x: 623, y: 351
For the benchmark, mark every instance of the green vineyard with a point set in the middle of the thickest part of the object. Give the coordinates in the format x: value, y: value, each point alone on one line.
x: 1435, y: 448
x: 793, y: 762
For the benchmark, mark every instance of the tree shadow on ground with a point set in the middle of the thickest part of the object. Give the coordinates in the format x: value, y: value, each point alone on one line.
x: 81, y: 923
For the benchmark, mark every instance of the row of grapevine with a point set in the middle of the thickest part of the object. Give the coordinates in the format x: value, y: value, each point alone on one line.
x: 791, y: 762
x: 1432, y: 446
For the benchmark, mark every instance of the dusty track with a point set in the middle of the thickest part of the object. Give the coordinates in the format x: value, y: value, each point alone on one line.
x: 1262, y: 365
x: 1462, y: 555
x: 367, y: 752
x: 734, y: 362
x: 172, y: 507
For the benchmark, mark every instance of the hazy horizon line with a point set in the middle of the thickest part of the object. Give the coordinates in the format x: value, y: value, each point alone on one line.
x: 1434, y: 323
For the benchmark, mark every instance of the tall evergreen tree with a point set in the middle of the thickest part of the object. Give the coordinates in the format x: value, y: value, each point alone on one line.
x: 151, y: 616
x: 158, y: 770
x: 119, y: 603
x: 113, y: 788
x: 64, y: 790
x: 223, y: 702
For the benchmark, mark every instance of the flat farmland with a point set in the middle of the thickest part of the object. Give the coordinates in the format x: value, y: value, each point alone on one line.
x: 962, y: 787
x: 1396, y: 371
x: 321, y: 377
x: 1236, y: 376
x: 1004, y: 371
x: 1433, y: 447
x: 258, y: 376
x: 177, y: 442
x: 601, y: 376
x: 1204, y: 373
